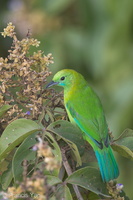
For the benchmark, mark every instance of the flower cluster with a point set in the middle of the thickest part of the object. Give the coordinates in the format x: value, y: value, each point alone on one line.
x: 13, y: 192
x: 34, y: 187
x: 115, y: 190
x: 45, y: 151
x: 9, y: 31
x: 23, y: 78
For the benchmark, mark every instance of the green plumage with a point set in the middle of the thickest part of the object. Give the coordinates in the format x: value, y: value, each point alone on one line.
x: 85, y: 110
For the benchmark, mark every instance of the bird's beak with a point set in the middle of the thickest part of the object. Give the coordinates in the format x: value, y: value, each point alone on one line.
x: 51, y: 83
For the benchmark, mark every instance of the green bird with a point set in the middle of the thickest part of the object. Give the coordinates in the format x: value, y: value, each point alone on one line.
x: 84, y: 109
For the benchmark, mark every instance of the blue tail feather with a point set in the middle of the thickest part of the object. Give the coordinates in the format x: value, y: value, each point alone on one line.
x: 107, y: 164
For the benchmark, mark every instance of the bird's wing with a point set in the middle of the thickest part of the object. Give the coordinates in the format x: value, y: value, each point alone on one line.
x: 86, y: 111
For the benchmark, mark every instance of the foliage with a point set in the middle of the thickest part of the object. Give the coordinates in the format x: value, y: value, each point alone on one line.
x: 42, y: 155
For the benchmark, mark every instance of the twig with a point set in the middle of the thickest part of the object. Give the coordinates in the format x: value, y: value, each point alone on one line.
x: 69, y: 172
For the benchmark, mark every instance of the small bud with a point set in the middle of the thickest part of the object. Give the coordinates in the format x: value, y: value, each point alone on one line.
x: 119, y: 186
x: 35, y: 148
x: 28, y: 113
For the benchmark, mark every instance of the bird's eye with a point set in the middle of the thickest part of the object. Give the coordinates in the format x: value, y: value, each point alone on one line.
x: 62, y: 78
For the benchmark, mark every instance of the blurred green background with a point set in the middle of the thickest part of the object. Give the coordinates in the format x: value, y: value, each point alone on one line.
x: 94, y: 37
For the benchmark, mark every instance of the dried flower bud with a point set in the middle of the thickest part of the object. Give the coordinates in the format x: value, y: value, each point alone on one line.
x: 9, y: 30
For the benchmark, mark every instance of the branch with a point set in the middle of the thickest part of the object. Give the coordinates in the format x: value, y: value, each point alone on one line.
x: 69, y: 172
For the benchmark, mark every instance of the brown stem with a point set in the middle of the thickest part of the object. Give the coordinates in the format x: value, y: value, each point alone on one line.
x: 69, y: 172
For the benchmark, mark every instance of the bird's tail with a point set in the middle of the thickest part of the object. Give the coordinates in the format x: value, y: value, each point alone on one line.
x: 107, y: 164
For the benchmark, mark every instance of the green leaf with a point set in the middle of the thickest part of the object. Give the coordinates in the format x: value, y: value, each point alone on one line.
x: 90, y: 179
x: 67, y: 195
x: 24, y: 152
x: 56, y: 151
x: 126, y: 139
x: 53, y: 180
x: 124, y: 144
x: 3, y: 166
x: 3, y: 109
x: 93, y: 196
x: 6, y: 177
x: 71, y: 135
x: 123, y: 150
x: 63, y: 192
x: 15, y: 133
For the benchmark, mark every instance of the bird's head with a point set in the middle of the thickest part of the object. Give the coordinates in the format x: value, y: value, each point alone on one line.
x: 65, y: 78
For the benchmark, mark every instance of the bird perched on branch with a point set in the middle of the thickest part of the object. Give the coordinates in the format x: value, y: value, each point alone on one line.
x: 85, y: 110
